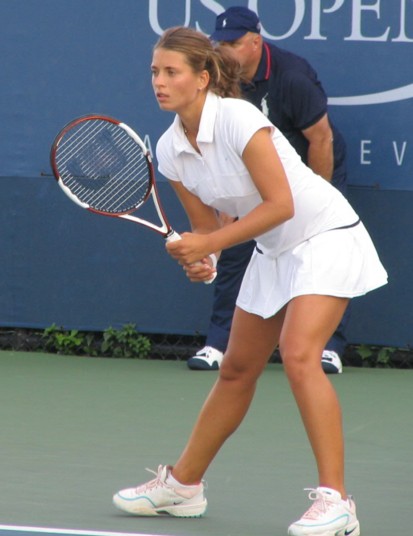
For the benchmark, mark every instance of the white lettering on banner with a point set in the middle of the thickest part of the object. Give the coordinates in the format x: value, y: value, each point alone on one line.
x: 298, y: 19
x: 213, y: 6
x: 316, y: 18
x: 364, y: 152
x: 399, y: 155
x: 154, y: 19
x: 361, y: 12
x: 402, y: 37
x: 356, y: 34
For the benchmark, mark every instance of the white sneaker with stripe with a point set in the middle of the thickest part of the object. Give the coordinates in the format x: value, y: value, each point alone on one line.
x: 157, y: 497
x: 329, y: 515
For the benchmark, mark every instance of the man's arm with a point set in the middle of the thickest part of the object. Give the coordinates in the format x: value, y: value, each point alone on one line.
x: 320, y: 156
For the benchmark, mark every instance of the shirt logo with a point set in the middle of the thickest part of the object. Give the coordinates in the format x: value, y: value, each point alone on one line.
x: 264, y: 105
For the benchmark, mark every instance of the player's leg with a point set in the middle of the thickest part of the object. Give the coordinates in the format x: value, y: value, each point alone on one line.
x: 178, y: 490
x: 331, y: 359
x: 244, y: 361
x: 302, y: 340
x: 303, y: 337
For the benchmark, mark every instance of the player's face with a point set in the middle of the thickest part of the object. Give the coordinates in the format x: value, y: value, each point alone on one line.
x: 174, y: 82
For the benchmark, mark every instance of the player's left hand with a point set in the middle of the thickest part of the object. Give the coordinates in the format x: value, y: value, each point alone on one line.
x: 192, y: 254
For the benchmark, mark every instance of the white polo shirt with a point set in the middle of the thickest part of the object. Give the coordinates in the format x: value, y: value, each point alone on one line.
x: 219, y: 177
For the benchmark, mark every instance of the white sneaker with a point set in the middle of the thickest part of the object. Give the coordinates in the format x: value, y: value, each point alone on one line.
x: 329, y: 515
x: 206, y: 359
x: 157, y: 497
x: 331, y: 362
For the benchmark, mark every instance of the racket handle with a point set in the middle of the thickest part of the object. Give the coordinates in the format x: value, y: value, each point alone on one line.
x: 174, y: 236
x: 213, y: 258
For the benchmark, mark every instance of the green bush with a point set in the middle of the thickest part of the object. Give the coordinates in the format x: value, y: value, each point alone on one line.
x: 372, y: 356
x: 124, y: 342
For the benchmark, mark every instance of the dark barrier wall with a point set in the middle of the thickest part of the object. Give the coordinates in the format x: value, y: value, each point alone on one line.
x: 63, y: 58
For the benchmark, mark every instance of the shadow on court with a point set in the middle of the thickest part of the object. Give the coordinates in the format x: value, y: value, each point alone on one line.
x: 74, y: 430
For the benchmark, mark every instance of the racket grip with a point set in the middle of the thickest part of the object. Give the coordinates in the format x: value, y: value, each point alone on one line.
x: 213, y: 258
x: 174, y: 236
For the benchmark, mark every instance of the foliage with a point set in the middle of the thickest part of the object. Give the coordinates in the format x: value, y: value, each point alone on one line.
x: 372, y: 356
x: 62, y: 342
x: 379, y: 356
x: 124, y: 342
x: 127, y: 342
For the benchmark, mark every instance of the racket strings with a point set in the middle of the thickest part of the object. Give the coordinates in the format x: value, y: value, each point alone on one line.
x: 103, y: 166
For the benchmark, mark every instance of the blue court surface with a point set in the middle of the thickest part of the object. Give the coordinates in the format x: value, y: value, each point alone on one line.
x: 75, y: 430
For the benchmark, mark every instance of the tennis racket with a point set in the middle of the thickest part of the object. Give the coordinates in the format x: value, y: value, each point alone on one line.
x: 103, y: 166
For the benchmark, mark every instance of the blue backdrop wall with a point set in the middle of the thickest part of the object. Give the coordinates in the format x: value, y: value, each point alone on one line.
x: 63, y: 58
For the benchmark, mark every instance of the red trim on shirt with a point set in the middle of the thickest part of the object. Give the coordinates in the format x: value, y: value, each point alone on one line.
x: 268, y: 69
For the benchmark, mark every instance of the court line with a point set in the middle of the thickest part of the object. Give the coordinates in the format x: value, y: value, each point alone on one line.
x: 69, y: 532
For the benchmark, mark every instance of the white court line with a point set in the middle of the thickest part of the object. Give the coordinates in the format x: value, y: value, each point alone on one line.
x: 69, y: 532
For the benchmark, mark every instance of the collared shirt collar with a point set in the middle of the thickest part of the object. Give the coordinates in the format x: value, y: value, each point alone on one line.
x: 206, y: 126
x: 264, y: 67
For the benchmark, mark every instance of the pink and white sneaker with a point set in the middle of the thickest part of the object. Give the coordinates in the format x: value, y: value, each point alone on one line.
x: 329, y: 515
x: 157, y: 497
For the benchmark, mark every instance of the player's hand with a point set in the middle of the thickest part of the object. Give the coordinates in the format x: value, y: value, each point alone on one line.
x: 202, y: 271
x: 192, y: 253
x: 190, y: 249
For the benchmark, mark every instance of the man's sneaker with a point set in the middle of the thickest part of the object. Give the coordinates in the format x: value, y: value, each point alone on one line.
x: 331, y: 362
x: 157, y: 497
x: 329, y: 515
x: 206, y: 359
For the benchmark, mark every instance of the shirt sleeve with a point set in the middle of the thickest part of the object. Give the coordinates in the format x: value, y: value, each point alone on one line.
x: 242, y: 121
x: 165, y: 158
x: 304, y: 100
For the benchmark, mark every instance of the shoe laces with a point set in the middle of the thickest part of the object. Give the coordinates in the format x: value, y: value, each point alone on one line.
x: 159, y: 481
x: 330, y: 355
x: 152, y: 484
x: 320, y: 505
x: 206, y: 351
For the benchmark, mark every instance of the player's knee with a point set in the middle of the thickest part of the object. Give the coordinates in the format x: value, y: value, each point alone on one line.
x: 297, y: 361
x: 235, y: 370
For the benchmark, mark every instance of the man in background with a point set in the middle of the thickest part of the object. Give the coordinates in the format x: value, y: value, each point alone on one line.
x: 286, y: 89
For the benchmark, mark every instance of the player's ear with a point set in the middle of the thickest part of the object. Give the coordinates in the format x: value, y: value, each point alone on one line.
x: 203, y: 80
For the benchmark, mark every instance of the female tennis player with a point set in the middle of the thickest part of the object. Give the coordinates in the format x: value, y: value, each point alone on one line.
x: 313, y: 254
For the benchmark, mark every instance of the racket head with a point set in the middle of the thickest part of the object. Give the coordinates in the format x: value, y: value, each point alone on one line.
x: 102, y: 165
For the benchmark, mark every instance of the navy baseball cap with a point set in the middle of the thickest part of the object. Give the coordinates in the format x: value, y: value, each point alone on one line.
x: 234, y: 23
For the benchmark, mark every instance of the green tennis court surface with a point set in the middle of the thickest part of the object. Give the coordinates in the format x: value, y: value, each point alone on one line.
x: 29, y: 531
x: 74, y: 430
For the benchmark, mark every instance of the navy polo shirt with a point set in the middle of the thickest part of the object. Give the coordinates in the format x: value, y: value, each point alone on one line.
x: 287, y: 90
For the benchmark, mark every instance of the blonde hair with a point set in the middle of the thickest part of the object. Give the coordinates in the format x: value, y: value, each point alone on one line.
x: 200, y: 54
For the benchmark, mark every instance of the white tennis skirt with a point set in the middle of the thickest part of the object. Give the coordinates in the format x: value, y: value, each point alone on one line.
x: 341, y: 262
